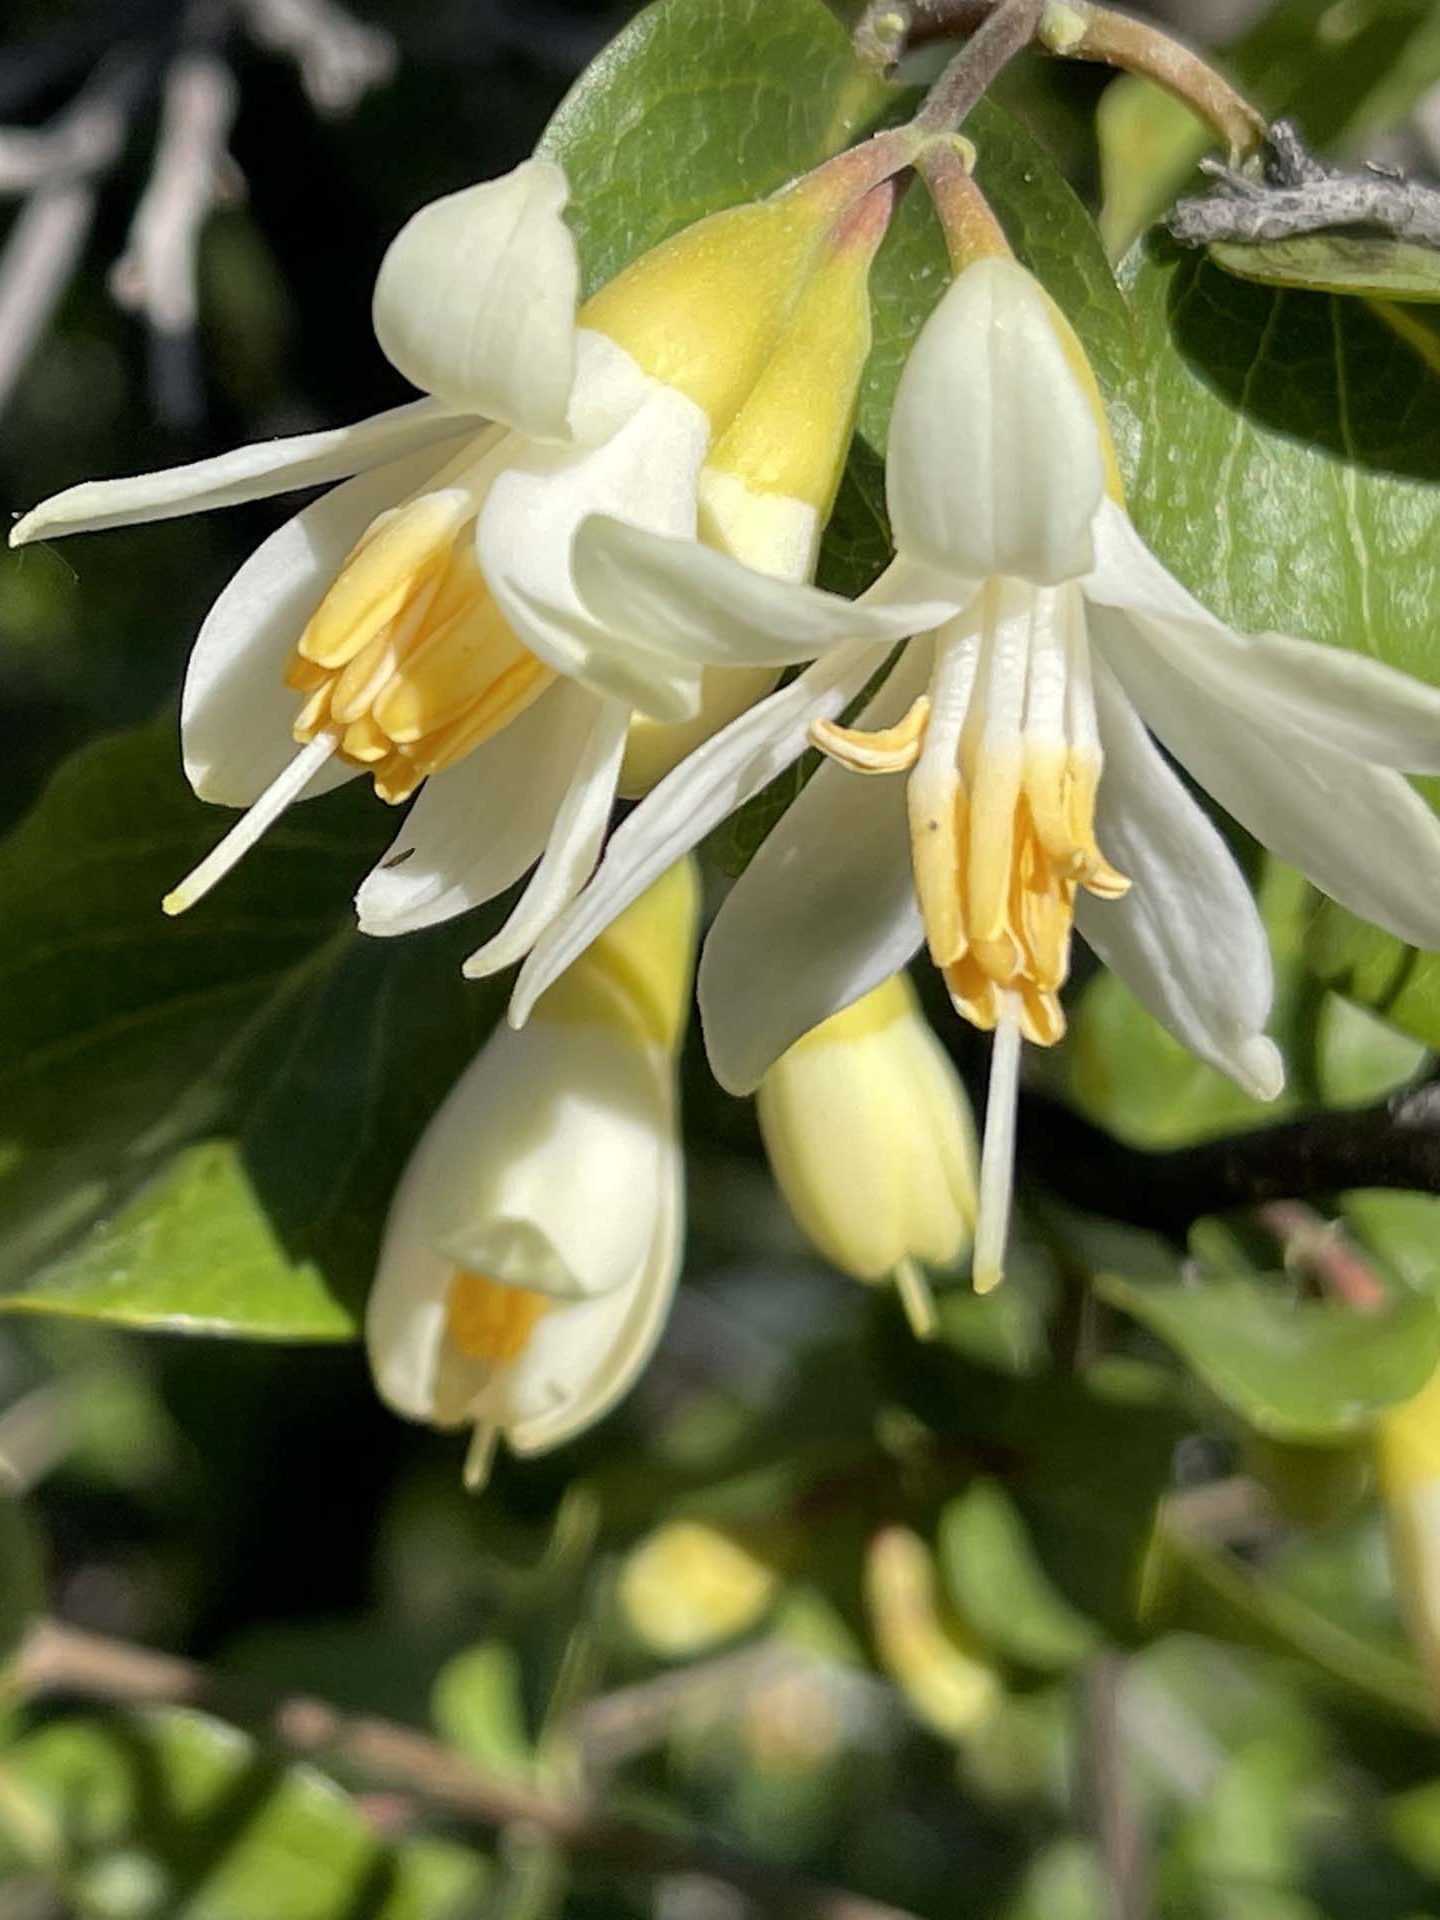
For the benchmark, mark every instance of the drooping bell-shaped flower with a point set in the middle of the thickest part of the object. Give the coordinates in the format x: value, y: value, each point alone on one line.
x: 535, y: 1239
x: 871, y: 1141
x: 396, y: 627
x: 1016, y: 790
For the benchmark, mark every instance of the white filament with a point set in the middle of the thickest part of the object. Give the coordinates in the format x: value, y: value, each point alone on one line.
x: 282, y: 792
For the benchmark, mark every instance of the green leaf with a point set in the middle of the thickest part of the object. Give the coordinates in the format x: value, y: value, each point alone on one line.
x: 1297, y: 1370
x: 209, y: 1257
x: 479, y: 1707
x: 140, y: 1816
x: 1291, y: 458
x: 1369, y: 264
x: 1199, y: 1589
x: 203, y: 1118
x: 999, y: 1586
x: 699, y: 104
x: 1378, y: 971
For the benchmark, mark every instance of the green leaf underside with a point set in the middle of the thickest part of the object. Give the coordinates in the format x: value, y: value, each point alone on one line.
x: 167, y: 1812
x: 1351, y: 263
x: 1299, y: 1371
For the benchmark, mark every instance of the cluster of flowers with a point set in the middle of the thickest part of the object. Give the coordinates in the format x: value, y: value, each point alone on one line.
x: 579, y: 568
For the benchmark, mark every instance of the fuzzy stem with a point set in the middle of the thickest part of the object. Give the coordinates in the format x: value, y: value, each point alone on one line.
x: 1010, y: 28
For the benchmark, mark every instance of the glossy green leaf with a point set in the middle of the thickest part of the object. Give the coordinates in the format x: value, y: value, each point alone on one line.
x: 1297, y: 1370
x: 999, y: 1587
x: 203, y: 1118
x: 1291, y: 473
x: 192, y: 1252
x: 1369, y: 264
x: 696, y: 105
x: 173, y: 1814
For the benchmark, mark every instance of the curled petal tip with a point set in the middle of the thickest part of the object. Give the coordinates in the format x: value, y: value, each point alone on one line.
x: 1263, y: 1067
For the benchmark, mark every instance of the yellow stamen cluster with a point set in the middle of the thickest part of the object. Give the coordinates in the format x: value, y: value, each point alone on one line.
x: 407, y: 660
x: 999, y: 856
x: 487, y: 1321
x: 998, y: 888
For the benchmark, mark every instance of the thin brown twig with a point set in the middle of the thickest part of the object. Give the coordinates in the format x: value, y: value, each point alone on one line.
x: 1394, y: 1144
x: 1110, y: 1791
x: 59, y: 1660
x: 1008, y: 29
x: 1076, y: 30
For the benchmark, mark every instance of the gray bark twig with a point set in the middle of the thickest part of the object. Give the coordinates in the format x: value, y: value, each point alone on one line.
x: 157, y: 275
x: 58, y: 168
x: 1299, y: 194
x: 340, y: 58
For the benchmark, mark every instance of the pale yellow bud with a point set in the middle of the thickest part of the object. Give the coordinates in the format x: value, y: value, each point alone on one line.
x: 688, y: 1587
x: 872, y: 1142
x: 1407, y: 1460
x: 940, y: 1670
x: 771, y: 477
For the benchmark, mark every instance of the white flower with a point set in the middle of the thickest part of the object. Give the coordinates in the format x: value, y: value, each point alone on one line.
x: 870, y: 1138
x: 1037, y: 798
x: 396, y: 627
x: 535, y: 1240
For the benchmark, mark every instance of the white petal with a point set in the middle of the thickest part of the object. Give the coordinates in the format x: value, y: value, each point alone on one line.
x: 542, y: 1129
x: 574, y: 843
x: 1187, y: 939
x: 677, y: 814
x: 236, y: 711
x: 249, y: 473
x: 646, y: 472
x: 994, y: 464
x: 478, y: 826
x: 824, y: 912
x: 613, y: 1336
x: 1357, y: 705
x: 682, y: 598
x: 476, y: 296
x: 1361, y: 833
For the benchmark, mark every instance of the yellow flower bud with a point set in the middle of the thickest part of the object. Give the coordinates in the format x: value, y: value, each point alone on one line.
x: 1407, y: 1461
x: 941, y: 1672
x: 688, y: 1587
x: 871, y: 1139
x: 770, y: 480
